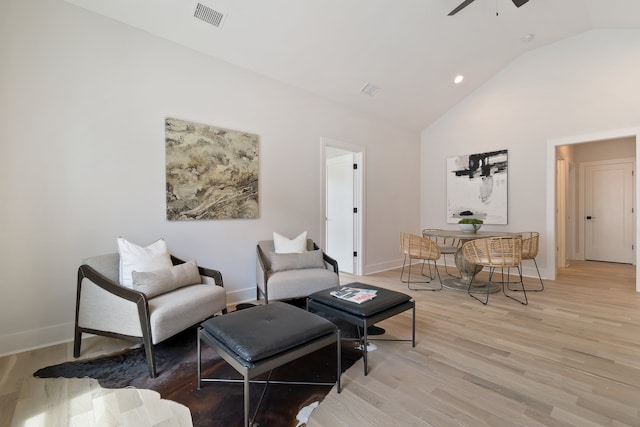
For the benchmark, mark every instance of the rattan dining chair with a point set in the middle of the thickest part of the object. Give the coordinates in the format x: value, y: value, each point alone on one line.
x: 419, y: 248
x: 448, y: 246
x: 496, y: 252
x: 530, y: 252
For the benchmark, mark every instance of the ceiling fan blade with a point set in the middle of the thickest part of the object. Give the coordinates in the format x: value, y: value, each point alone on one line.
x: 464, y: 4
x: 519, y: 3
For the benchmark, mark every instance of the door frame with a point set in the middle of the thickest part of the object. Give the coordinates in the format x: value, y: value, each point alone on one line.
x: 561, y: 217
x: 550, y: 251
x: 359, y: 158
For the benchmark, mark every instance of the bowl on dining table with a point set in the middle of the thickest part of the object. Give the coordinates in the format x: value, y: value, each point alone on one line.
x: 469, y: 228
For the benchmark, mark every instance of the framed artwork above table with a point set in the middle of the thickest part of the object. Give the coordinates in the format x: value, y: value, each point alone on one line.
x: 477, y: 187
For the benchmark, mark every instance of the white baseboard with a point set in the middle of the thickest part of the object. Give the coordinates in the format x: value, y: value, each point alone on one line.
x: 242, y: 295
x: 383, y: 266
x: 528, y: 268
x: 36, y: 338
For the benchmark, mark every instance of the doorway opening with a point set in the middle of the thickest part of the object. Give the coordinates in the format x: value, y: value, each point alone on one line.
x: 342, y: 204
x: 606, y: 213
x: 589, y: 174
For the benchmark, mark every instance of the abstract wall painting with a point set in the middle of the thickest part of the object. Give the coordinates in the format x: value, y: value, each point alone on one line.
x: 477, y: 187
x: 212, y: 173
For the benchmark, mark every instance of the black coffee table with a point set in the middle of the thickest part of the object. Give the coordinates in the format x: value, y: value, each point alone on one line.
x: 386, y: 304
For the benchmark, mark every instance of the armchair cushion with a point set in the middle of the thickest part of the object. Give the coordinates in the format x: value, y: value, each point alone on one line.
x: 175, y: 311
x: 133, y: 257
x: 157, y: 282
x: 284, y: 245
x: 296, y: 261
x: 300, y: 283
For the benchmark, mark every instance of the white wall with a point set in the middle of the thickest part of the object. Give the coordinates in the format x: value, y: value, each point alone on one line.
x: 82, y: 108
x: 622, y: 148
x: 583, y: 85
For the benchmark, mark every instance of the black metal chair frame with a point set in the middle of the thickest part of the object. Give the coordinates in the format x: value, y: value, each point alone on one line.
x: 539, y: 278
x: 502, y: 283
x: 408, y: 281
x: 444, y: 250
x: 141, y: 301
x: 530, y: 243
x: 496, y: 252
x: 408, y: 247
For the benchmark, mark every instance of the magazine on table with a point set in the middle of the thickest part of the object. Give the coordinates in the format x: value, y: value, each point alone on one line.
x: 356, y: 295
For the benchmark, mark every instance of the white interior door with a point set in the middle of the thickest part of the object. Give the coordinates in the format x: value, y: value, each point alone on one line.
x: 340, y: 210
x: 608, y: 217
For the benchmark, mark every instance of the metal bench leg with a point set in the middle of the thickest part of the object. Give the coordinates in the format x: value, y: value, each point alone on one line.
x: 199, y: 361
x: 413, y: 326
x: 246, y: 401
x: 339, y: 351
x: 365, y: 348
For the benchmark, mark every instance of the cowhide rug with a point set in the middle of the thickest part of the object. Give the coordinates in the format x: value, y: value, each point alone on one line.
x: 215, y: 404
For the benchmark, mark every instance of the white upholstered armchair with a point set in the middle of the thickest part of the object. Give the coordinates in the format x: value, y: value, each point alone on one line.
x: 282, y: 276
x: 105, y: 307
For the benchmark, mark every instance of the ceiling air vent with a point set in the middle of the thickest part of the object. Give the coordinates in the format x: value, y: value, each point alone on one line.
x: 369, y: 89
x: 208, y: 15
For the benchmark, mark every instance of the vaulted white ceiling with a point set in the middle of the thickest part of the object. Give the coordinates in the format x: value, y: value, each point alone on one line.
x: 410, y: 49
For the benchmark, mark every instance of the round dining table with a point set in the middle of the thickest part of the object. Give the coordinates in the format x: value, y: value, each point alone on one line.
x: 467, y: 269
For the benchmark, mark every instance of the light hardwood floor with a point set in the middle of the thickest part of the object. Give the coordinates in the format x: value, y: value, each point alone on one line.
x: 569, y: 358
x: 32, y: 402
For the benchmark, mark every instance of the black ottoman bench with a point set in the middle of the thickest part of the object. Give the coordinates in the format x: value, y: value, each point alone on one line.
x: 258, y: 339
x: 387, y: 303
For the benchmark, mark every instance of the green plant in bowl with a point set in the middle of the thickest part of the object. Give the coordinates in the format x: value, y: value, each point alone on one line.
x: 470, y: 225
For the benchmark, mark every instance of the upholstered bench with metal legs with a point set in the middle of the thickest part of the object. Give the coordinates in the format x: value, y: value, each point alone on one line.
x: 258, y: 339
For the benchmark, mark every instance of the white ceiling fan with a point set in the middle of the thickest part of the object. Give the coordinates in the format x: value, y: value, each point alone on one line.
x: 466, y: 3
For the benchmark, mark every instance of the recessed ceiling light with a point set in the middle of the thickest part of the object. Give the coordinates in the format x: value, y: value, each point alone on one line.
x: 458, y: 79
x: 527, y: 38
